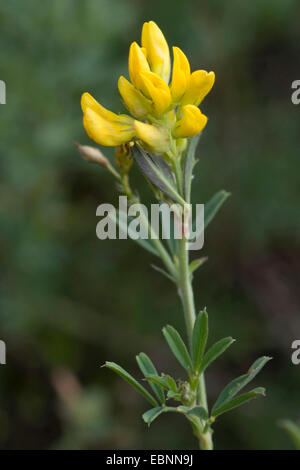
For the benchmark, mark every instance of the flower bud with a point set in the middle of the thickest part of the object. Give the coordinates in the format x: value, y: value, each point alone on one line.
x: 137, y: 63
x: 180, y: 76
x: 187, y: 394
x: 157, y: 49
x: 92, y: 154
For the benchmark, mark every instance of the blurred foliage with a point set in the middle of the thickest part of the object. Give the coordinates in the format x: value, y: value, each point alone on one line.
x: 293, y: 431
x: 71, y: 301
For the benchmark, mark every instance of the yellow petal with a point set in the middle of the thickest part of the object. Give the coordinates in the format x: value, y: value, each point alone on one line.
x: 157, y: 48
x: 106, y: 132
x: 180, y: 75
x: 138, y: 105
x: 200, y: 85
x: 192, y: 122
x: 144, y: 51
x: 88, y: 102
x: 137, y: 63
x: 158, y: 91
x: 156, y: 138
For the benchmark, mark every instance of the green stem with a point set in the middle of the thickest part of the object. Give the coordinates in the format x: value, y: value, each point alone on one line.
x: 178, y: 174
x: 187, y: 297
x: 202, y: 392
x: 114, y: 171
x: 185, y: 289
x: 205, y: 441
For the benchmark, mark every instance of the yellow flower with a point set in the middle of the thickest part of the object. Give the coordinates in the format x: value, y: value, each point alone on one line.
x: 201, y: 82
x: 155, y: 138
x: 138, y: 105
x: 137, y: 63
x: 191, y: 123
x: 180, y: 75
x: 169, y: 112
x: 103, y: 126
x: 157, y: 48
x: 158, y: 91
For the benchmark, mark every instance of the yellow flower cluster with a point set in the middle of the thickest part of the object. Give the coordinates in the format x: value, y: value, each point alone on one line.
x: 164, y: 114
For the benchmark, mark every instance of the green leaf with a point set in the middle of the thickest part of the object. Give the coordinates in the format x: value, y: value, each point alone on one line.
x: 177, y: 346
x: 126, y: 376
x: 239, y: 400
x: 147, y: 367
x: 156, y: 379
x: 236, y: 385
x: 292, y: 430
x: 210, y: 210
x: 174, y: 395
x: 164, y: 381
x: 196, y: 263
x: 150, y: 415
x: 198, y: 411
x: 170, y: 381
x: 215, y: 351
x: 199, y: 338
x: 213, y: 205
x: 189, y: 164
x: 162, y: 271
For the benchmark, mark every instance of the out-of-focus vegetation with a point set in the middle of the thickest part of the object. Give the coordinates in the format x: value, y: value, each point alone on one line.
x: 293, y: 431
x: 69, y: 301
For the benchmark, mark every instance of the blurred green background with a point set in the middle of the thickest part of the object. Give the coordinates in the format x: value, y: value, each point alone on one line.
x: 69, y: 301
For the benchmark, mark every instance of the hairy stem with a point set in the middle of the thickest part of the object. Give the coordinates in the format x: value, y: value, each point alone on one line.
x: 187, y: 298
x: 185, y: 289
